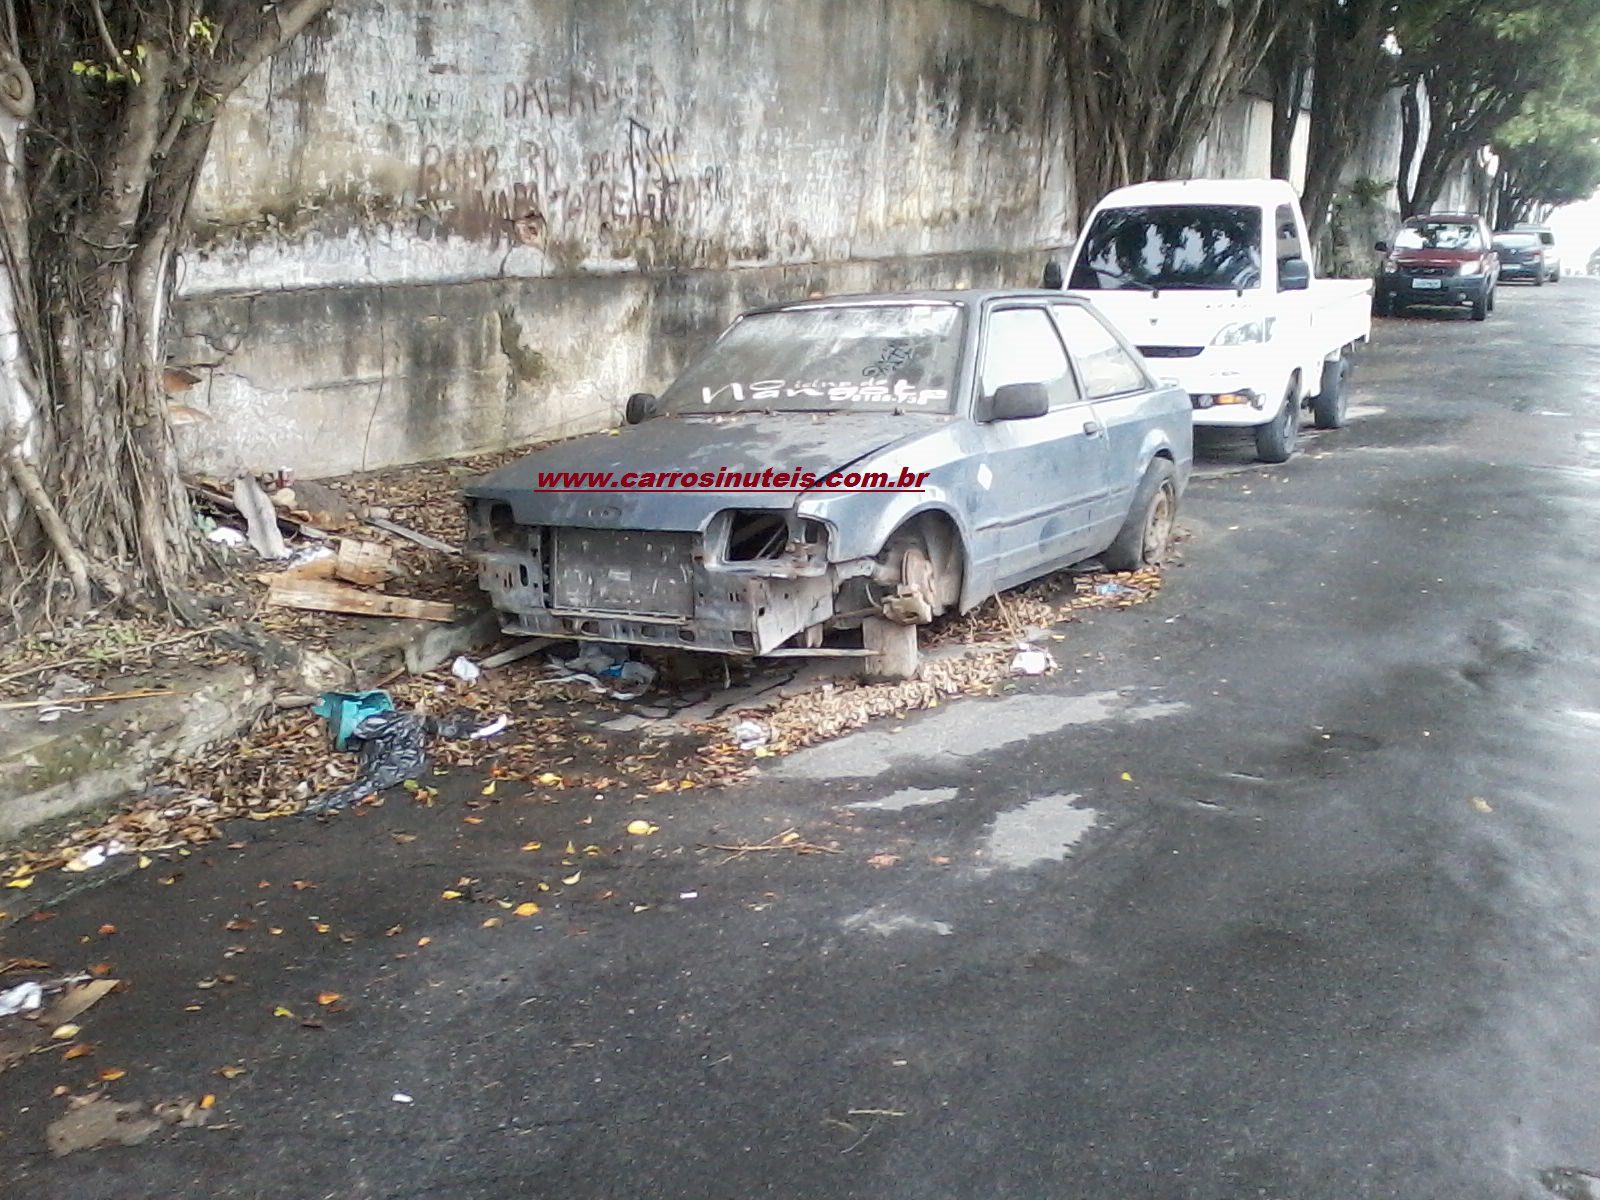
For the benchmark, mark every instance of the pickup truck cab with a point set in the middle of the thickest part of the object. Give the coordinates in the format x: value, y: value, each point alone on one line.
x: 1440, y: 259
x: 1212, y: 280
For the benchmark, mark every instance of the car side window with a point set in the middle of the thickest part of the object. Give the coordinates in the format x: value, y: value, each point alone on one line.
x: 1289, y: 245
x: 1107, y: 368
x: 1022, y: 347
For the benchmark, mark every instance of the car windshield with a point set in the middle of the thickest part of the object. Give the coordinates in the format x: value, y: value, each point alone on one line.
x: 1204, y: 246
x: 1437, y: 235
x: 1516, y: 241
x: 827, y: 358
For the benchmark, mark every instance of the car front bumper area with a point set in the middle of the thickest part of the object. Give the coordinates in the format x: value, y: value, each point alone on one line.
x: 1421, y: 289
x: 663, y: 588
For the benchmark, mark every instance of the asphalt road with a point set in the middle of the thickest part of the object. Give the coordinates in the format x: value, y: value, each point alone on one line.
x: 1284, y: 887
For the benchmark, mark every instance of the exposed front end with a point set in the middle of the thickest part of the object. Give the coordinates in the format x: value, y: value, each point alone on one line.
x: 750, y: 581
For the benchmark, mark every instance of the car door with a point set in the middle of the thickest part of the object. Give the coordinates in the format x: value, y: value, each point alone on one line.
x: 1117, y: 393
x: 1039, y: 479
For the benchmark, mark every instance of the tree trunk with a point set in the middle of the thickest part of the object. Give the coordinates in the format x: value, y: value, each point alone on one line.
x: 1410, y: 132
x: 90, y: 493
x: 1352, y: 72
x: 1146, y: 80
x: 1289, y: 64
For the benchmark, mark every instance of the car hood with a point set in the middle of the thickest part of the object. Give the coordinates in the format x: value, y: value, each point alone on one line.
x: 793, y: 442
x: 1177, y: 316
x: 1436, y: 258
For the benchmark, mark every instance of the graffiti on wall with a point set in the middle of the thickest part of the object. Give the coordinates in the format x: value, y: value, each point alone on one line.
x: 577, y: 161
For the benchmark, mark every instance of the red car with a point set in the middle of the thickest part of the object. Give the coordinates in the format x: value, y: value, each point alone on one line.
x: 1439, y: 259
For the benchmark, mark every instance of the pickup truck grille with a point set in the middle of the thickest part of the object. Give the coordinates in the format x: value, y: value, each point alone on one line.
x: 1170, y: 351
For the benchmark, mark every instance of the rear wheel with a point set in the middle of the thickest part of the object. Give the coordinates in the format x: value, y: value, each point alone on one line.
x: 1328, y: 408
x: 1275, y: 440
x: 1539, y: 279
x: 1146, y: 535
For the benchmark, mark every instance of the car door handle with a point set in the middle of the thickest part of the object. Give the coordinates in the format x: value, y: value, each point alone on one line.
x: 1093, y: 428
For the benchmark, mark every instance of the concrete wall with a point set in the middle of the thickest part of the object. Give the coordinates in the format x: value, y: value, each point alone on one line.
x: 1239, y: 144
x: 432, y: 228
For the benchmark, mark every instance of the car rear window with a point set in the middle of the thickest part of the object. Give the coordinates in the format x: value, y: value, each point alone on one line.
x: 1516, y: 241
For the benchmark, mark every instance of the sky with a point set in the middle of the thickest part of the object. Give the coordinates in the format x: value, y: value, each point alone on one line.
x: 1577, y: 230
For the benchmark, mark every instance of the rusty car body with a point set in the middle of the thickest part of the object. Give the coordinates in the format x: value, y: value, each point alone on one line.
x: 723, y: 518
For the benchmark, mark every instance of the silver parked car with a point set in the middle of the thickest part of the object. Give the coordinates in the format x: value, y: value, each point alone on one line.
x: 860, y: 461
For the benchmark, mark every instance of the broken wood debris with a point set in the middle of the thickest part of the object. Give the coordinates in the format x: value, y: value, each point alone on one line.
x: 104, y: 698
x: 327, y: 595
x: 411, y: 535
x: 364, y: 563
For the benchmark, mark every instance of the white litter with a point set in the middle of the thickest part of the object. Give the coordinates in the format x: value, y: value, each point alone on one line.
x: 466, y: 670
x: 1030, y: 660
x: 25, y: 997
x: 688, y: 895
x: 401, y: 1098
x: 493, y: 727
x: 227, y: 535
x: 751, y: 735
x: 94, y: 856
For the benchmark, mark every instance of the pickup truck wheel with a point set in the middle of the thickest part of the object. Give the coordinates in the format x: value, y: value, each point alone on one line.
x: 1275, y: 440
x: 1146, y: 535
x: 1328, y: 408
x: 1480, y: 307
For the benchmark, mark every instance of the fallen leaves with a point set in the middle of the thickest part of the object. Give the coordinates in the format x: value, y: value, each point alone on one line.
x: 642, y: 828
x: 883, y: 860
x: 526, y: 909
x: 232, y: 1071
x: 327, y: 998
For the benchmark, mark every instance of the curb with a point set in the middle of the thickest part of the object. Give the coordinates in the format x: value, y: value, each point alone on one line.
x: 91, y: 761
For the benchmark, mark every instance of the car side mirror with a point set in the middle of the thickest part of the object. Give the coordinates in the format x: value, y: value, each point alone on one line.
x: 641, y: 407
x: 1018, y: 402
x: 1053, y: 278
x: 1381, y: 247
x: 1294, y: 275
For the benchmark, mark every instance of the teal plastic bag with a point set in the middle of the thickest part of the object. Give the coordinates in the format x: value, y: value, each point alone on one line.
x: 343, y: 711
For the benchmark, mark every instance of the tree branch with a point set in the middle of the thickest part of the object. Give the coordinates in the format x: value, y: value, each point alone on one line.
x: 281, y: 28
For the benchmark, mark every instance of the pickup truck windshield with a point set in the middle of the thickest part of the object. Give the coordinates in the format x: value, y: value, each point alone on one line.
x: 827, y: 358
x: 1438, y: 235
x: 1204, y: 246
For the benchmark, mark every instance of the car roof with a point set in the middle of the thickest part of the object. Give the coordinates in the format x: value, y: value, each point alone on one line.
x: 1462, y: 218
x: 1259, y: 193
x: 960, y: 297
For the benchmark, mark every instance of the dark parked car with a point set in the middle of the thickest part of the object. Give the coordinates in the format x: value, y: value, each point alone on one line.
x: 1522, y: 257
x: 1547, y: 240
x: 856, y: 462
x: 1443, y: 258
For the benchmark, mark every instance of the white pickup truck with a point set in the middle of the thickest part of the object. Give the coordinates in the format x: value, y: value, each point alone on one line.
x: 1236, y: 318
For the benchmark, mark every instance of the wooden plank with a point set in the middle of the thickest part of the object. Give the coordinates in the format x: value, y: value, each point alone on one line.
x: 328, y: 595
x: 507, y: 657
x: 364, y: 563
x: 411, y: 535
x: 72, y: 701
